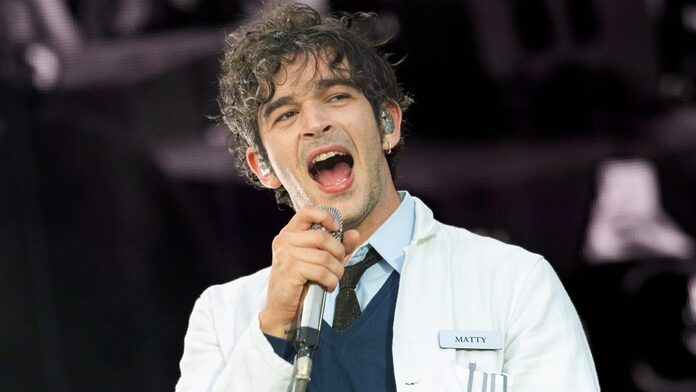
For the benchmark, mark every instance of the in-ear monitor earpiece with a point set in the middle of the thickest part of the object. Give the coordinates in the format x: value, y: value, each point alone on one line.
x: 387, y: 122
x: 263, y: 166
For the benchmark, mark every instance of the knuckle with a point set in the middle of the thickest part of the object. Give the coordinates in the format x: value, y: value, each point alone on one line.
x: 310, y: 273
x: 340, y: 252
x: 321, y: 235
x: 327, y: 277
x: 278, y: 240
x: 332, y: 283
x: 307, y: 212
x: 281, y: 255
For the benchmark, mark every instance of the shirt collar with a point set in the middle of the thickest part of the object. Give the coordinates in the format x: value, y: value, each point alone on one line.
x: 390, y: 239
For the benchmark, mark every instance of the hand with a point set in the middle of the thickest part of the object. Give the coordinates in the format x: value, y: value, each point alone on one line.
x: 301, y: 255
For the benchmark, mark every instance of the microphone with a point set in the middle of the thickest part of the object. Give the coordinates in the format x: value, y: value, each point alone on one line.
x: 310, y: 317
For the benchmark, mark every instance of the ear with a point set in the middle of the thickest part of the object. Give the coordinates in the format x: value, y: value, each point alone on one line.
x: 256, y: 163
x: 392, y: 139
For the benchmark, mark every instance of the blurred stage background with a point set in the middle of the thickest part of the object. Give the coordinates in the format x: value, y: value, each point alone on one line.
x: 565, y: 126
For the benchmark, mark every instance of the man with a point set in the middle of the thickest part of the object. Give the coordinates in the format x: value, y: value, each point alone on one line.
x: 317, y: 115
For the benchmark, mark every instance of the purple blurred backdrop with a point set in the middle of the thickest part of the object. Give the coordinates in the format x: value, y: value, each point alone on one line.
x: 567, y: 127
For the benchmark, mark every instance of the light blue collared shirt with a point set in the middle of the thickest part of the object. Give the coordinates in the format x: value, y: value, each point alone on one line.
x: 389, y: 241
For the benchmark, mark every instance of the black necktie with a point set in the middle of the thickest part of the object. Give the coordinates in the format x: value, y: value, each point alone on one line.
x: 347, y: 306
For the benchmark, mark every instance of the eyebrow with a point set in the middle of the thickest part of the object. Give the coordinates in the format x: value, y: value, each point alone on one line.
x: 322, y: 85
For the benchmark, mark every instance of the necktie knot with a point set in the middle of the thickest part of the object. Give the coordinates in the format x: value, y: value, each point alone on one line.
x: 353, y: 273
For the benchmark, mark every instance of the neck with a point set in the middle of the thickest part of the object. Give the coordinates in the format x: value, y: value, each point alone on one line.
x: 379, y: 214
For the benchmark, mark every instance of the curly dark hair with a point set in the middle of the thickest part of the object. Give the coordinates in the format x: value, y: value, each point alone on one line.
x: 256, y: 52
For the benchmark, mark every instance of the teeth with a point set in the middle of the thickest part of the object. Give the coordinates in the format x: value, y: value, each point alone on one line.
x: 326, y: 155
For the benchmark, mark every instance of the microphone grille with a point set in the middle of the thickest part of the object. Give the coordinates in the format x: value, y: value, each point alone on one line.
x: 338, y: 234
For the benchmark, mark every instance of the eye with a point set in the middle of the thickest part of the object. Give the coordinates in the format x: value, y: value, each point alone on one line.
x: 285, y: 116
x: 338, y: 97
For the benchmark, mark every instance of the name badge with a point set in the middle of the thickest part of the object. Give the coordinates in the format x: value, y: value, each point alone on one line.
x: 471, y: 340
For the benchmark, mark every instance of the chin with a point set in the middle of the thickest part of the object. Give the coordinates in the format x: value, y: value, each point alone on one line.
x: 354, y: 213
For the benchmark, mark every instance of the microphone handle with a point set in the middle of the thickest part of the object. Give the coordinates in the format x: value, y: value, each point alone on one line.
x: 312, y: 307
x: 310, y: 318
x: 307, y: 335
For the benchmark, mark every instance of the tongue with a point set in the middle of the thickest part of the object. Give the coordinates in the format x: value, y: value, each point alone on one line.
x: 335, y: 175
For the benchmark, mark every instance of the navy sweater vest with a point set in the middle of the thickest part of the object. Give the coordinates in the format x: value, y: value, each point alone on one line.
x: 359, y: 358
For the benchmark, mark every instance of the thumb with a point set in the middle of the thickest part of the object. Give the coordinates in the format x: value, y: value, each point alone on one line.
x: 351, y: 240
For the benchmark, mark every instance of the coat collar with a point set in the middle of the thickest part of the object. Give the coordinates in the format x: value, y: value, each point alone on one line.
x: 424, y: 226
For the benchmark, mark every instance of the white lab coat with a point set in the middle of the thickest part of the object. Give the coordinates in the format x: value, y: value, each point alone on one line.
x: 452, y: 279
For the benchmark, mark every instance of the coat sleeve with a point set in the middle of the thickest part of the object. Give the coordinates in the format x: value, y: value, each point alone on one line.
x: 251, y: 365
x: 546, y: 346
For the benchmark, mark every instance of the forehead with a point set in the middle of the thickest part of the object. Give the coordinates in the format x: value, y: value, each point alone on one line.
x: 299, y: 75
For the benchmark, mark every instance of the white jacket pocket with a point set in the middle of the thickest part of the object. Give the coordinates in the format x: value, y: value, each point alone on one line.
x: 468, y: 379
x: 460, y: 378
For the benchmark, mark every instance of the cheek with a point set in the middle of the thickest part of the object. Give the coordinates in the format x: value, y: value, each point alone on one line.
x: 365, y: 129
x: 373, y: 137
x: 280, y: 149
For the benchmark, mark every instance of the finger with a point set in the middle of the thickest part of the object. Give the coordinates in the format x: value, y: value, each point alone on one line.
x: 351, y: 240
x: 315, y: 239
x: 307, y: 216
x: 318, y: 274
x: 317, y: 257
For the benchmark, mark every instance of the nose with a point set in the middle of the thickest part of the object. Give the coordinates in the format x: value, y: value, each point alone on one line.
x: 315, y: 120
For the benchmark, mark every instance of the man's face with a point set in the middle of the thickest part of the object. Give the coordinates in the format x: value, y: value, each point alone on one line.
x: 324, y: 143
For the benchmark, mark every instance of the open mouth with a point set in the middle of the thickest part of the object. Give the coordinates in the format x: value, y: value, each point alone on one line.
x: 332, y: 168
